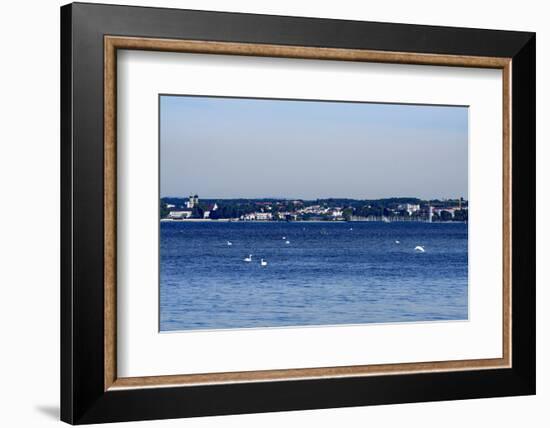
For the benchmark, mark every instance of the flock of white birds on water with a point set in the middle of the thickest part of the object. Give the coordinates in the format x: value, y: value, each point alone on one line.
x: 263, y: 262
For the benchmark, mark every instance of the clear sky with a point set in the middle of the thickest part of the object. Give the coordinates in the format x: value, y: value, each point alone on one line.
x: 252, y: 148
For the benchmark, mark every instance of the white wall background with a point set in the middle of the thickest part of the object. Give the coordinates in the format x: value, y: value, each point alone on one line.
x: 29, y: 213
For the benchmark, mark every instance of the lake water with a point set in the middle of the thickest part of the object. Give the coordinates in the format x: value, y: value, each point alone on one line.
x: 330, y: 273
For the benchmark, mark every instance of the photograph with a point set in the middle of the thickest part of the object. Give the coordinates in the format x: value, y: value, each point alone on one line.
x: 297, y: 213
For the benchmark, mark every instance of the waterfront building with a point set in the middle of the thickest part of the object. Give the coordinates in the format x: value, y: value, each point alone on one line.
x: 257, y: 216
x: 179, y: 215
x: 263, y: 216
x: 410, y: 208
x: 450, y: 210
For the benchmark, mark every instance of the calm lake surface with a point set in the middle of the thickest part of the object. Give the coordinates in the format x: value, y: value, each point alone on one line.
x: 330, y: 273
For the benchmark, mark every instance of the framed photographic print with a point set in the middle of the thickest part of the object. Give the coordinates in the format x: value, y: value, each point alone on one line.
x: 265, y: 213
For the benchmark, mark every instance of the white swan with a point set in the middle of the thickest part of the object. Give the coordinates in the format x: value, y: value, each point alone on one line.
x: 263, y: 262
x: 229, y: 243
x: 284, y: 237
x: 248, y: 259
x: 419, y: 248
x: 287, y: 242
x: 397, y: 242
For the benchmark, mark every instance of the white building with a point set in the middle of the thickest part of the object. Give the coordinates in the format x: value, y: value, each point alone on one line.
x: 192, y: 202
x: 449, y: 210
x: 258, y: 216
x: 410, y: 208
x: 179, y: 215
x: 263, y: 216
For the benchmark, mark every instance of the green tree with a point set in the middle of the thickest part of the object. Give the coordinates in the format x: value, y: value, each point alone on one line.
x: 461, y: 215
x: 164, y: 211
x: 348, y: 212
x: 446, y: 216
x: 198, y: 212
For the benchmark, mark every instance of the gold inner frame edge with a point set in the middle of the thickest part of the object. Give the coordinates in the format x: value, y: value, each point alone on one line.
x: 113, y: 43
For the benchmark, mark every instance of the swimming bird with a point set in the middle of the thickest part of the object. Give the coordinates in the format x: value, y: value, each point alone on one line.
x: 287, y: 242
x: 229, y: 243
x: 263, y: 262
x: 351, y: 228
x: 397, y: 242
x: 419, y: 248
x: 284, y: 237
x: 248, y: 259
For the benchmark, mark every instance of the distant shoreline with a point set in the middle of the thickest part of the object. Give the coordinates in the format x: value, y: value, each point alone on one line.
x: 227, y: 220
x: 232, y: 220
x: 330, y: 210
x: 191, y: 220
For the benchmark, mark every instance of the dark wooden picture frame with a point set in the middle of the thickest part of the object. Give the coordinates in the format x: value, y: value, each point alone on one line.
x: 90, y: 389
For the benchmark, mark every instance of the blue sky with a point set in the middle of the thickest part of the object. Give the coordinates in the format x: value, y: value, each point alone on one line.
x: 253, y: 148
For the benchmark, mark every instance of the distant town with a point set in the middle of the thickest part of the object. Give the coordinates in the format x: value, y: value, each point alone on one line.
x: 331, y: 209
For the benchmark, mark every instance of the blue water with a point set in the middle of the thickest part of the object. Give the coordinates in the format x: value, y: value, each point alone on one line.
x: 327, y: 275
